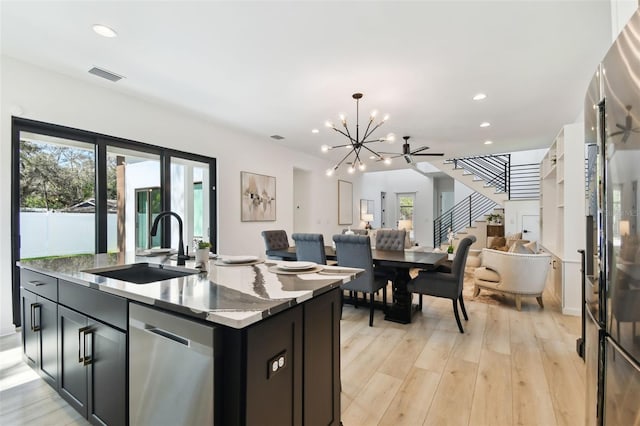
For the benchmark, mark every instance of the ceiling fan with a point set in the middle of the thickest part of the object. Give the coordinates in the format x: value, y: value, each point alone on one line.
x: 408, y: 154
x: 626, y: 130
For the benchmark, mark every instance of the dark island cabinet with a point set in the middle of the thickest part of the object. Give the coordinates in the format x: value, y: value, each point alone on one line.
x: 40, y: 335
x: 284, y: 370
x: 93, y: 365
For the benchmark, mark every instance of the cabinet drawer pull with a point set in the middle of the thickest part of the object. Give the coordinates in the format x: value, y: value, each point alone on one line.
x: 88, y: 354
x: 81, y: 345
x: 34, y: 326
x: 36, y: 283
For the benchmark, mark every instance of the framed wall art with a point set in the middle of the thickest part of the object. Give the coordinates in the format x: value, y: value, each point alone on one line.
x: 258, y: 197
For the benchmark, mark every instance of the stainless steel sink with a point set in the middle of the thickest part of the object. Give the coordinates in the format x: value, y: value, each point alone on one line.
x: 142, y: 273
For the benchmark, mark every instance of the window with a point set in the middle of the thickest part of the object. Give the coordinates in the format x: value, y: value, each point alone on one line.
x: 405, y: 206
x: 78, y: 192
x: 56, y: 196
x: 405, y: 212
x: 148, y: 205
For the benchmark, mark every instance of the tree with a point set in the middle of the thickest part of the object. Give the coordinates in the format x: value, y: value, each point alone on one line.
x: 55, y: 177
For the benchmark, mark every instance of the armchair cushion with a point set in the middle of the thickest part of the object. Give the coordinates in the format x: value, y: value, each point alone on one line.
x: 485, y: 274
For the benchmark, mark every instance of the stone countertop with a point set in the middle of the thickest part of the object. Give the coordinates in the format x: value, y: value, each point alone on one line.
x: 230, y: 295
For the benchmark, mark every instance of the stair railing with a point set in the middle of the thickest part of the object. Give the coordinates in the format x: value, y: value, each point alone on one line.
x: 495, y: 170
x: 460, y: 216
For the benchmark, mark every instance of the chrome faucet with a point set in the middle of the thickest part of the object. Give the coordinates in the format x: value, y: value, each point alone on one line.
x: 154, y: 231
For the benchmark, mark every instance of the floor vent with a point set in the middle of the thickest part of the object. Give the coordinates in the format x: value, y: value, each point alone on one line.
x: 111, y: 76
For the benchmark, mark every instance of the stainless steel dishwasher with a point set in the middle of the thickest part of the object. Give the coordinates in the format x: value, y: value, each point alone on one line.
x: 171, y: 369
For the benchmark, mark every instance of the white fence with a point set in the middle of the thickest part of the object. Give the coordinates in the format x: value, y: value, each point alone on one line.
x: 59, y: 233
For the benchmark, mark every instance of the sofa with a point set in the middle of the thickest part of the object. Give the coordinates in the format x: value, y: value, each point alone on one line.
x: 517, y: 274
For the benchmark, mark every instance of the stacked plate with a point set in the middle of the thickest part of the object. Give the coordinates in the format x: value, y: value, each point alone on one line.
x: 238, y: 259
x: 296, y: 266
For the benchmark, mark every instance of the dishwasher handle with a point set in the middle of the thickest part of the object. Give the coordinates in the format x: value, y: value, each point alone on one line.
x: 167, y: 335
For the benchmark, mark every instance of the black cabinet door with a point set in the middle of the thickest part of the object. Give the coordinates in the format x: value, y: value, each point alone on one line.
x: 322, y: 360
x: 107, y: 374
x: 40, y: 335
x: 29, y: 327
x: 47, y: 313
x: 73, y: 373
x: 274, y: 370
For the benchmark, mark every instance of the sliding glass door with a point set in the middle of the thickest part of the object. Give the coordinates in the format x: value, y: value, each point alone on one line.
x: 134, y: 198
x: 56, y: 196
x: 189, y: 200
x: 76, y: 192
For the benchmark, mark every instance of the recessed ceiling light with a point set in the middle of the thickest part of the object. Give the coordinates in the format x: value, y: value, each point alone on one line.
x: 315, y: 131
x: 488, y: 142
x: 485, y: 124
x: 479, y: 97
x: 104, y: 31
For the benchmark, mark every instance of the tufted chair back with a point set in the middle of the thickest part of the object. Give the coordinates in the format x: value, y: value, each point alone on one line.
x: 275, y: 240
x: 310, y: 247
x: 390, y: 239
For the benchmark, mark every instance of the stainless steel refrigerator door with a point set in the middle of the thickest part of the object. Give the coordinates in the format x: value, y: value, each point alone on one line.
x: 622, y: 388
x: 621, y: 89
x: 171, y: 363
x: 592, y: 359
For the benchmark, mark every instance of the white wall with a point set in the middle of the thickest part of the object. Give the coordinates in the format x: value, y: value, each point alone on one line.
x: 397, y: 181
x: 55, y: 98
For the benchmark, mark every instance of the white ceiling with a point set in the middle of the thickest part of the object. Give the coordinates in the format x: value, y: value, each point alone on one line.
x: 286, y: 67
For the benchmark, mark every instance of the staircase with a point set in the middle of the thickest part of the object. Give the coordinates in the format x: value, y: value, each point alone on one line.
x: 490, y: 177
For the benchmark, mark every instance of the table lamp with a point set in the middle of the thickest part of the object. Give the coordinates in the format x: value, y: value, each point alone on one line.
x: 367, y: 217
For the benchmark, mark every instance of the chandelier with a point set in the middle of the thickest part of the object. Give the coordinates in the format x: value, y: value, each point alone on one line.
x: 357, y: 144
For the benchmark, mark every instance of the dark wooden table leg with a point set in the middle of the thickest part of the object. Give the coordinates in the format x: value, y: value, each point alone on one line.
x: 401, y: 309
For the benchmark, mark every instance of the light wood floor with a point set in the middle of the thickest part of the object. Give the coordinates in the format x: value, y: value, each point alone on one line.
x: 509, y: 368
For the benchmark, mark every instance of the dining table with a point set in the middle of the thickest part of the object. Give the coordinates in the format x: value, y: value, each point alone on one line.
x: 402, y: 308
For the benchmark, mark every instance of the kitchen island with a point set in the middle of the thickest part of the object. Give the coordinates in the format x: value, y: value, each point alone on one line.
x: 274, y: 352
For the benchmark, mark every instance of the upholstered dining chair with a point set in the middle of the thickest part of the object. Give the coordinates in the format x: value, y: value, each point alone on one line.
x: 445, y: 281
x: 355, y: 251
x: 310, y: 247
x: 275, y: 240
x: 390, y: 239
x: 393, y: 240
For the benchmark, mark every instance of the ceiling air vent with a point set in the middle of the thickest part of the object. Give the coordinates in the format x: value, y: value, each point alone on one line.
x: 277, y: 137
x: 100, y: 72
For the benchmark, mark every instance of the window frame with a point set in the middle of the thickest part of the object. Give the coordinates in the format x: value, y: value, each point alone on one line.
x: 100, y: 142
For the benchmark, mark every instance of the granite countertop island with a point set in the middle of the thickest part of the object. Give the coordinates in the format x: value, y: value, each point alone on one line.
x: 232, y: 295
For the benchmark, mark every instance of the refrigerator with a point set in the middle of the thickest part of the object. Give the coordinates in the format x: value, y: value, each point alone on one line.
x: 612, y: 258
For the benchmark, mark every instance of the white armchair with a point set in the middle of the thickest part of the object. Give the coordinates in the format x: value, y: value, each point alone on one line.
x: 512, y: 273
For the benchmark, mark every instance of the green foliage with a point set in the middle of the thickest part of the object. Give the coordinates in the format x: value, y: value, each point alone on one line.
x: 494, y: 217
x: 54, y: 176
x: 204, y: 244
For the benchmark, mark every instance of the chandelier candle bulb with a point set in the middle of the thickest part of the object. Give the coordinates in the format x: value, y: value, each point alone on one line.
x: 356, y: 143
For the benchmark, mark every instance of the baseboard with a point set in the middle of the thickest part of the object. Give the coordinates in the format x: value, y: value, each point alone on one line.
x: 572, y: 312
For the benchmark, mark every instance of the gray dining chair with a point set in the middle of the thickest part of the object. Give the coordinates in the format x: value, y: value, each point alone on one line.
x: 390, y: 239
x: 445, y: 281
x: 355, y: 251
x: 310, y: 247
x: 275, y: 240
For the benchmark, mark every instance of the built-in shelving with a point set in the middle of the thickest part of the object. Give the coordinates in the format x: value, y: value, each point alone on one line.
x: 562, y: 213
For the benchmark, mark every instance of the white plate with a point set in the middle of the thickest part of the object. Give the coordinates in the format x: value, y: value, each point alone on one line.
x: 239, y: 259
x: 296, y: 266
